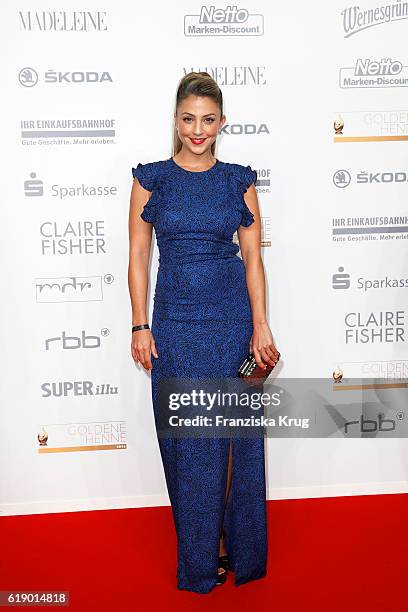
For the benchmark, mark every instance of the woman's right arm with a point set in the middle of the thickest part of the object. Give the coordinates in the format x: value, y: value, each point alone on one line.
x: 140, y: 240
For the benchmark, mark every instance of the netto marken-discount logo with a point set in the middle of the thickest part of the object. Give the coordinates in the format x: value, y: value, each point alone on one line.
x: 367, y: 73
x: 229, y: 21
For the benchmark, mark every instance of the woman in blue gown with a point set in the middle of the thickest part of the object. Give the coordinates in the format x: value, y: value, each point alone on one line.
x: 209, y: 312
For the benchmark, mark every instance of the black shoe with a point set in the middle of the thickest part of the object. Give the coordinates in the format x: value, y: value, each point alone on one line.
x: 222, y: 577
x: 222, y: 564
x: 223, y: 559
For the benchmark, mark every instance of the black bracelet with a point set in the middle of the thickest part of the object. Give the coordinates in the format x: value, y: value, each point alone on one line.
x: 137, y: 327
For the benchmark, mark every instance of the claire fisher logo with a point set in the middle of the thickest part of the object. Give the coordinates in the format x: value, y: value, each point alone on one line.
x: 376, y: 327
x: 82, y: 237
x: 229, y: 21
x: 356, y: 19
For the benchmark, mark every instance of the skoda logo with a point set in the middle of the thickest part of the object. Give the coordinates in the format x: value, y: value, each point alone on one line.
x: 342, y: 178
x: 28, y: 77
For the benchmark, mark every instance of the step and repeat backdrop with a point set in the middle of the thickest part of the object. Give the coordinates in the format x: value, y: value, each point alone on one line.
x: 316, y: 101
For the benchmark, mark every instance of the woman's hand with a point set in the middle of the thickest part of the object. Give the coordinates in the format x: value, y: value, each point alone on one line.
x: 262, y: 346
x: 142, y: 343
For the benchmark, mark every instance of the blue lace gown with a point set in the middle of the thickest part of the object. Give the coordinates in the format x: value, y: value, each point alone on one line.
x: 202, y: 317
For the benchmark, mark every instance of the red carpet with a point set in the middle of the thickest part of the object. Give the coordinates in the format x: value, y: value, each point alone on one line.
x: 333, y: 554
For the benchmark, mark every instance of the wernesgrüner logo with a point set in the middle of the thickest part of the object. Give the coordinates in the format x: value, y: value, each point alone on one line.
x: 356, y: 19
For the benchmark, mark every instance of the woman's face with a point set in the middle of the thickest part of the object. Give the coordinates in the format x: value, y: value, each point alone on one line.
x: 198, y: 122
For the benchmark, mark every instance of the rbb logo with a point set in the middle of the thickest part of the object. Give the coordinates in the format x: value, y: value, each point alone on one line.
x: 74, y: 342
x: 371, y: 425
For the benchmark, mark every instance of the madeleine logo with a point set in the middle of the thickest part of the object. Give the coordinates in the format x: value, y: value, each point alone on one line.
x: 356, y: 20
x: 63, y: 21
x: 229, y: 21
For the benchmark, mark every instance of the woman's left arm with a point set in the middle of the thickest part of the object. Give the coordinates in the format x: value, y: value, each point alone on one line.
x: 261, y: 344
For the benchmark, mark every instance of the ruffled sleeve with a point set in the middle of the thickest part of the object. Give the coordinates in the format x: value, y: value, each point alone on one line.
x: 246, y: 177
x: 148, y: 177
